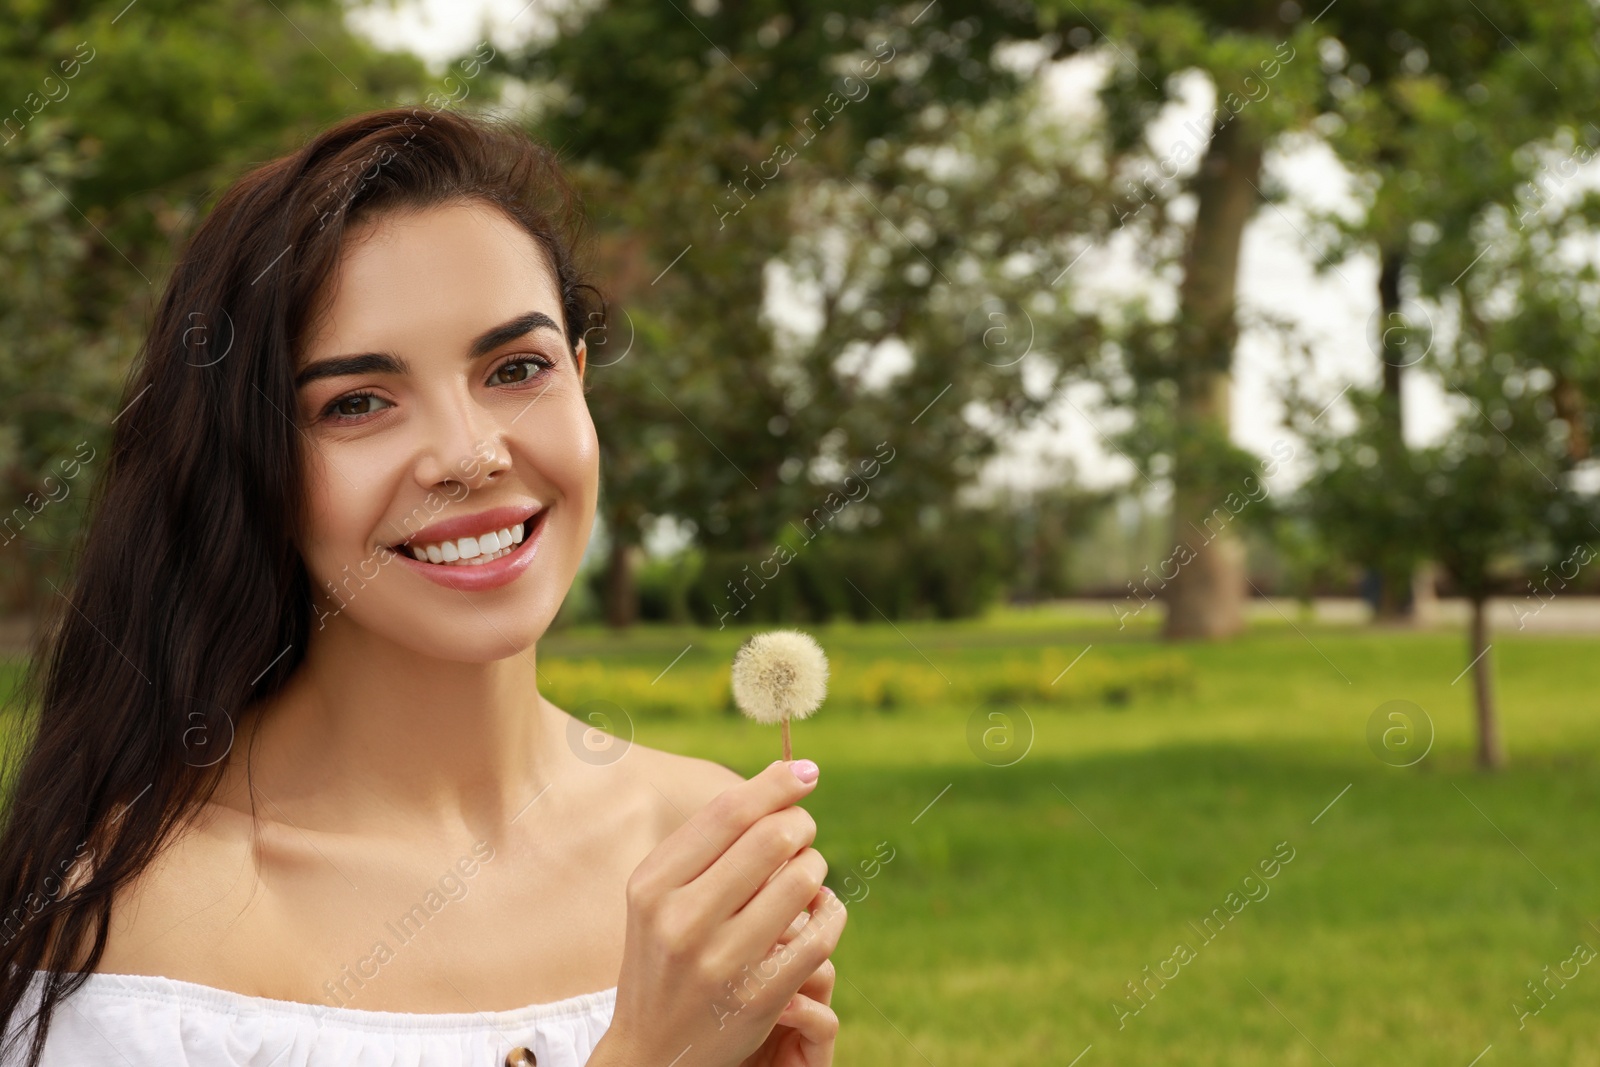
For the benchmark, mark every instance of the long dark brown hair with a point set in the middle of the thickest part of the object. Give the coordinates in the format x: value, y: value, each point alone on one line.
x: 189, y: 603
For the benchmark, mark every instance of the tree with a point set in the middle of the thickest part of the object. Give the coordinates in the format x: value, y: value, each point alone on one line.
x: 866, y: 162
x: 1503, y: 492
x: 1424, y: 100
x: 1430, y: 105
x: 1176, y: 372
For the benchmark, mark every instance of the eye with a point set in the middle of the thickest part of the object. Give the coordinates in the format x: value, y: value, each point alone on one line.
x: 352, y: 407
x: 515, y: 371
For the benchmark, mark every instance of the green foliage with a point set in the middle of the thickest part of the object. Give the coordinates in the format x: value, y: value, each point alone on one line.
x: 783, y: 60
x: 665, y: 584
x: 810, y: 153
x: 1363, y: 500
x: 178, y: 95
x: 58, y: 376
x: 1441, y: 112
x: 953, y: 571
x: 1501, y: 493
x: 723, y: 416
x: 949, y: 566
x: 1433, y: 105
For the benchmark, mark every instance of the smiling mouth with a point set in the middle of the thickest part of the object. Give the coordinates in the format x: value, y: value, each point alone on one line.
x: 474, y: 551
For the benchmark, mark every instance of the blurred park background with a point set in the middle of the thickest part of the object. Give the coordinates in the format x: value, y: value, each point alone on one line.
x: 1175, y: 420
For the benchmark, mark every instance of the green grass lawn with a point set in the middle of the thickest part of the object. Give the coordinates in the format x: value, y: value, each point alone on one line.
x: 1022, y: 899
x: 1412, y: 915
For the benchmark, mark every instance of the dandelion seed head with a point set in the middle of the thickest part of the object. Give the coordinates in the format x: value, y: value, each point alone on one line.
x: 781, y: 674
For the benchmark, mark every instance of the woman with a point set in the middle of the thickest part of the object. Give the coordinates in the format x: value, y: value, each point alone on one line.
x: 292, y: 796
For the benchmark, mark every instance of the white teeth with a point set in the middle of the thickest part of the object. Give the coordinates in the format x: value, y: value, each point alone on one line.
x: 472, y: 551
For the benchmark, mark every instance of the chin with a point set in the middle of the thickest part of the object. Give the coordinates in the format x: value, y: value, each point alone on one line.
x: 448, y: 624
x: 474, y: 641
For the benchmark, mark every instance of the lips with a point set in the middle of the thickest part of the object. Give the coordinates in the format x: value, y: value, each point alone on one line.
x: 476, y: 525
x: 501, y: 568
x: 472, y: 551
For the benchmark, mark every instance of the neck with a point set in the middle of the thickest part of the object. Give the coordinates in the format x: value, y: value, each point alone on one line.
x: 368, y: 732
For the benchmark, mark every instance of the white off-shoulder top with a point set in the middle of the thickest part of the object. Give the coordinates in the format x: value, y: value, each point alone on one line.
x: 147, y: 1021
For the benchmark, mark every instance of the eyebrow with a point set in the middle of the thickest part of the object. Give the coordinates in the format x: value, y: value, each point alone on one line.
x: 389, y: 363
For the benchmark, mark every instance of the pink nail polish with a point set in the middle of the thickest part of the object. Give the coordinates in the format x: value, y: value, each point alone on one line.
x: 805, y: 770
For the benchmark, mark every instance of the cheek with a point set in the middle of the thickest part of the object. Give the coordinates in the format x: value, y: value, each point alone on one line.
x: 590, y: 454
x: 344, y: 504
x: 564, y: 455
x: 566, y: 452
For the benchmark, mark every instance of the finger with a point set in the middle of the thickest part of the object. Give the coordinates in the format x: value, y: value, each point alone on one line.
x: 798, y: 924
x: 800, y: 920
x: 761, y: 851
x: 686, y: 853
x: 795, y: 926
x: 755, y: 927
x: 811, y: 946
x: 814, y: 1020
x: 819, y: 985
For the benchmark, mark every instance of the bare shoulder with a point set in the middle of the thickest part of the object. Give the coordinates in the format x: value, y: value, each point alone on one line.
x: 688, y: 782
x: 170, y: 917
x: 669, y: 787
x: 650, y: 789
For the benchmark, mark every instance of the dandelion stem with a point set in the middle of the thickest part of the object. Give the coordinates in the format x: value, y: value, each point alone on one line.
x: 788, y: 752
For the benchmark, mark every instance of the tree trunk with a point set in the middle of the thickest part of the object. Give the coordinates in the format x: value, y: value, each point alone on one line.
x: 1394, y: 576
x: 1490, y: 754
x: 1570, y: 409
x: 1425, y: 593
x: 1206, y: 597
x: 1394, y: 353
x: 621, y: 593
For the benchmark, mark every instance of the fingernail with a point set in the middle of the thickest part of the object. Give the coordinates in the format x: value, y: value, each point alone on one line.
x: 805, y: 770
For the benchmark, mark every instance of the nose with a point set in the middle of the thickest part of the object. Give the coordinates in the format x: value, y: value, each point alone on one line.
x: 465, y: 446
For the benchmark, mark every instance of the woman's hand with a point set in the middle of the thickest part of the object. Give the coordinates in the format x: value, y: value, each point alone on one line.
x: 718, y: 944
x: 806, y: 1028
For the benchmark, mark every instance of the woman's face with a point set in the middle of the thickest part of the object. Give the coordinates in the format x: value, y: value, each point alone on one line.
x: 441, y: 403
